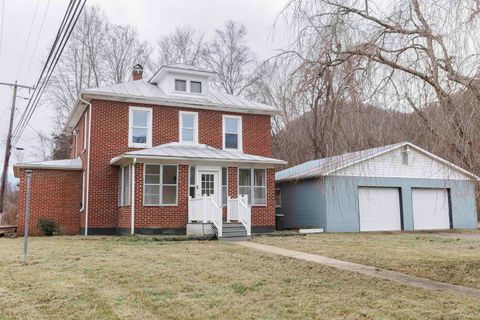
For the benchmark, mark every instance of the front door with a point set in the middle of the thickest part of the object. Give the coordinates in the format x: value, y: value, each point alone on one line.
x: 208, y: 183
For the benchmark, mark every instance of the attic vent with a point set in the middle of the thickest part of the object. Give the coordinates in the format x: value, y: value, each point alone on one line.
x: 405, y: 156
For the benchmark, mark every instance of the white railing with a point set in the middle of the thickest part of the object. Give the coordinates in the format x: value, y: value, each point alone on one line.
x: 205, y: 209
x: 238, y: 209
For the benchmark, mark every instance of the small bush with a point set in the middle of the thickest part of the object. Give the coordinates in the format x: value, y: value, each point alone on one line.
x: 47, y: 226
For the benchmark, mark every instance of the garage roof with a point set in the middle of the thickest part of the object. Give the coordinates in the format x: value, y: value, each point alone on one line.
x: 327, y: 166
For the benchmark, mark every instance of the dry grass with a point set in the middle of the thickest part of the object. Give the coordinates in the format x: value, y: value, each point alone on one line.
x: 112, y: 278
x: 444, y: 259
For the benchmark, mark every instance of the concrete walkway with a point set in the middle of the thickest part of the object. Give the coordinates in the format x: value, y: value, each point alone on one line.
x: 366, y: 270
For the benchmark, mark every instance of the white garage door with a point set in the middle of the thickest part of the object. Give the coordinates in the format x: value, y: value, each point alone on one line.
x: 379, y: 209
x: 430, y: 209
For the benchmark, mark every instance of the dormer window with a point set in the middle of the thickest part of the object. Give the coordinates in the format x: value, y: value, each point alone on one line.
x: 195, y: 87
x: 180, y: 85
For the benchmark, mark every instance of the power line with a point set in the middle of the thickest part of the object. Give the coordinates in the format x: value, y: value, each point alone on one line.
x: 70, y: 19
x: 1, y: 26
x: 28, y: 39
x: 36, y: 41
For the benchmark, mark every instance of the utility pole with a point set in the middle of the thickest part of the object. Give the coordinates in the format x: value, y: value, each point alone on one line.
x: 8, y: 148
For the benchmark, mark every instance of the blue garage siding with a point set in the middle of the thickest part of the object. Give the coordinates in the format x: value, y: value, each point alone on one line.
x: 341, y: 200
x: 303, y: 203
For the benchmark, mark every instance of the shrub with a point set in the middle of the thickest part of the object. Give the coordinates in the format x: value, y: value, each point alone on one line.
x: 47, y: 226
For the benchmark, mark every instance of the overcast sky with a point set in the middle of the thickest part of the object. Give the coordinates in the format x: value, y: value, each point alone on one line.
x: 22, y: 52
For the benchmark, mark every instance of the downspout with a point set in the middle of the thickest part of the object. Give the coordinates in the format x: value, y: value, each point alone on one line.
x: 132, y: 202
x: 88, y: 162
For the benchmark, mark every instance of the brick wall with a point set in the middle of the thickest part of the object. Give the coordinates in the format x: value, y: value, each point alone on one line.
x: 54, y: 194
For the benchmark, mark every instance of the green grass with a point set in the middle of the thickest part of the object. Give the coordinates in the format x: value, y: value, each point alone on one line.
x: 444, y: 259
x: 116, y: 278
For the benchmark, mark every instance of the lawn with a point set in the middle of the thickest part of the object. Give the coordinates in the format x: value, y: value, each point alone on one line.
x: 444, y: 259
x: 124, y: 278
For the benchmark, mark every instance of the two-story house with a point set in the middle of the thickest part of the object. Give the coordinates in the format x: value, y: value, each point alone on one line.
x: 167, y: 155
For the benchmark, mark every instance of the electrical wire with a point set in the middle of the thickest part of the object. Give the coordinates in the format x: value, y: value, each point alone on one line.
x: 28, y: 39
x: 37, y: 40
x: 66, y: 28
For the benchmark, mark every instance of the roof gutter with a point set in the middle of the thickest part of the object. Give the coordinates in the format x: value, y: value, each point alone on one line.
x: 176, y: 103
x: 115, y: 160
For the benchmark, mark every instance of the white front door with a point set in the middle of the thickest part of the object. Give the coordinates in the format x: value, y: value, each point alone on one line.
x: 431, y: 209
x: 379, y: 209
x: 208, y: 183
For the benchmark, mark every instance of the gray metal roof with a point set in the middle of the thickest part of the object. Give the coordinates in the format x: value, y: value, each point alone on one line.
x: 143, y: 90
x: 326, y: 166
x: 66, y: 164
x: 179, y: 151
x: 315, y: 168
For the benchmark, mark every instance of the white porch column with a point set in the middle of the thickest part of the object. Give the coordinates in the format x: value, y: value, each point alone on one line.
x: 132, y: 200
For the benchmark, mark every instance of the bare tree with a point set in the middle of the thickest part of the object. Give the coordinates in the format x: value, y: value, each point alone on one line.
x: 121, y: 51
x: 185, y: 46
x: 416, y: 54
x: 232, y: 60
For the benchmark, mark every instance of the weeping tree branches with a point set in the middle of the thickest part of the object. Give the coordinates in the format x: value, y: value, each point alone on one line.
x: 426, y: 48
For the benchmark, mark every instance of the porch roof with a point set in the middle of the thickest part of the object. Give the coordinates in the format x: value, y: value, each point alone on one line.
x: 200, y: 152
x: 66, y: 164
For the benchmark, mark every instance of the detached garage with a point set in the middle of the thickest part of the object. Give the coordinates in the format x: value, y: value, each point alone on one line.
x: 390, y: 188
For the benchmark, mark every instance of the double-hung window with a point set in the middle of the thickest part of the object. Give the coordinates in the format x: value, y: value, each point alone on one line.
x: 195, y: 87
x: 253, y: 184
x: 160, y: 185
x: 124, y: 187
x: 232, y: 132
x: 140, y: 127
x: 188, y: 127
x: 180, y: 85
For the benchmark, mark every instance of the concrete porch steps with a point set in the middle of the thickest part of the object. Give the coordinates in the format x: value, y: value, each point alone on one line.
x: 234, y: 231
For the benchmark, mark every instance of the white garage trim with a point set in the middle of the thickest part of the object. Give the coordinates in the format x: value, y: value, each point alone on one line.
x: 379, y: 209
x: 431, y: 209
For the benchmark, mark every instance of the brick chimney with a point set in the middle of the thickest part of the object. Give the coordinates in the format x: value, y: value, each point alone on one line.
x: 137, y: 72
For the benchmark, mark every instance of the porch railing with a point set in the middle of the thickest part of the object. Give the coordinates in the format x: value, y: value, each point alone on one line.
x: 238, y: 209
x: 205, y: 209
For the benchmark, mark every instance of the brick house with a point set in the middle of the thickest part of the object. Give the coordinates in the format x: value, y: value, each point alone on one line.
x: 171, y: 155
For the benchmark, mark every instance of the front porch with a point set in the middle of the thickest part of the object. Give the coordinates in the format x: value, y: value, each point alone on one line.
x: 195, y: 190
x: 206, y: 217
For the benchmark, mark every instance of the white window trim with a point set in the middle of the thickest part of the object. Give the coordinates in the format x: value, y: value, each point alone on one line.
x: 122, y: 191
x: 148, y: 144
x: 190, y: 86
x: 186, y: 85
x: 160, y: 186
x: 252, y: 185
x: 195, y: 127
x: 84, y: 176
x: 240, y: 132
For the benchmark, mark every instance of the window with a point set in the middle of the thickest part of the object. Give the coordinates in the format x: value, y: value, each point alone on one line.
x: 252, y: 183
x: 195, y: 87
x: 224, y: 186
x: 160, y: 185
x: 124, y: 188
x: 189, y: 127
x: 180, y: 85
x: 85, y: 132
x: 140, y: 130
x: 84, y: 184
x: 278, y: 198
x: 191, y: 187
x: 232, y: 132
